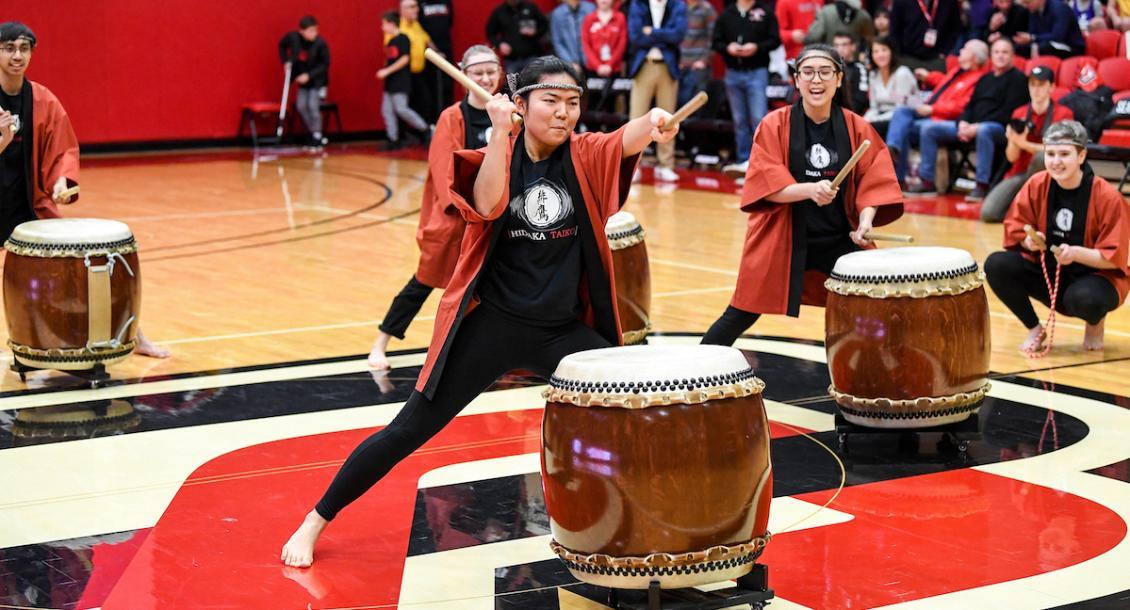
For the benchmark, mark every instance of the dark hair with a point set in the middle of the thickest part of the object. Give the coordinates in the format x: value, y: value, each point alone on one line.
x: 886, y: 42
x: 882, y: 10
x: 842, y: 97
x: 306, y: 22
x: 544, y: 66
x: 847, y: 35
x: 391, y: 17
x: 14, y: 30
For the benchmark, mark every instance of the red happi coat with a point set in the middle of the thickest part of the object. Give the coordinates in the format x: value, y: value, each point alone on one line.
x: 604, y: 178
x: 766, y: 272
x: 1107, y: 229
x: 441, y: 226
x: 54, y: 151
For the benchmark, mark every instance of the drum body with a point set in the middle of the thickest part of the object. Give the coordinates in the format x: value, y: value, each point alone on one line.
x: 655, y: 464
x: 907, y: 336
x: 633, y: 276
x: 72, y: 293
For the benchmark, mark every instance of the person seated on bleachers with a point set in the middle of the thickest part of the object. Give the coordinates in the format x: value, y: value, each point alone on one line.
x: 982, y: 122
x: 1088, y: 219
x: 1118, y: 11
x: 1091, y: 15
x: 890, y: 85
x: 1052, y: 30
x: 856, y: 77
x: 1025, y: 148
x: 951, y: 92
x: 840, y: 17
x: 925, y: 32
x: 1009, y: 20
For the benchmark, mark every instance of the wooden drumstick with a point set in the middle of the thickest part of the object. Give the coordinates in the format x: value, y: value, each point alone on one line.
x: 850, y: 165
x: 1039, y: 241
x: 69, y: 194
x: 906, y: 239
x: 688, y: 109
x: 457, y: 75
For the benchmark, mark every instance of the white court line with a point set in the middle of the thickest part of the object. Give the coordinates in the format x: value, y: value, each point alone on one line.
x: 1009, y: 316
x: 682, y: 265
x: 283, y: 331
x: 190, y: 215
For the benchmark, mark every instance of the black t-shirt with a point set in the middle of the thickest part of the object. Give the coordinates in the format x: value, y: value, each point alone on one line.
x: 821, y: 162
x: 399, y: 81
x: 15, y: 206
x: 535, y: 270
x: 478, y: 126
x: 435, y: 16
x: 1068, y: 215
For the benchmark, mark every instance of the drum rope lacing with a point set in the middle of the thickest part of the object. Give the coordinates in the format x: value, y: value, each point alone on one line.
x: 899, y: 278
x: 1049, y: 326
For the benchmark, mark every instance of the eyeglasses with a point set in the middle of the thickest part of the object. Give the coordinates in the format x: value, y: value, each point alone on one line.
x: 12, y: 48
x: 809, y: 74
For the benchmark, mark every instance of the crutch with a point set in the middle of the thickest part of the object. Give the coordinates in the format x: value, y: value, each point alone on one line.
x: 283, y: 105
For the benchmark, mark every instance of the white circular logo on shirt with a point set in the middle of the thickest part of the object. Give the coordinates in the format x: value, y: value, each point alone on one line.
x: 1064, y: 218
x: 486, y: 134
x: 819, y: 156
x: 16, y: 122
x: 543, y: 206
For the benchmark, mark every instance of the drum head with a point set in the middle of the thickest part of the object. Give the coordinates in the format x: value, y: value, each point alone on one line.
x: 903, y: 264
x: 645, y: 375
x: 620, y: 222
x: 70, y: 231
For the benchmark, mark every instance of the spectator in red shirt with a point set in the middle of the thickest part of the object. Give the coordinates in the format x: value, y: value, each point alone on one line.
x: 1025, y: 148
x: 794, y: 17
x: 604, y: 37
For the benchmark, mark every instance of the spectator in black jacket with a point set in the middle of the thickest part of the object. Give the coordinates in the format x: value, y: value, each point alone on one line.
x: 925, y: 31
x: 744, y: 35
x: 516, y: 28
x: 857, y: 78
x: 996, y: 95
x: 1052, y: 29
x: 1008, y: 20
x: 309, y: 57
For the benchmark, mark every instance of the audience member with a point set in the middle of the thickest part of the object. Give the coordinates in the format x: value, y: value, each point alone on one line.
x: 925, y: 31
x: 856, y: 79
x: 982, y: 121
x: 604, y: 38
x: 1052, y: 30
x: 565, y: 30
x: 424, y: 95
x: 436, y: 16
x: 1091, y: 14
x: 655, y: 29
x: 951, y: 92
x: 891, y: 85
x: 1025, y: 148
x: 309, y: 58
x: 397, y: 82
x: 794, y: 18
x: 1008, y: 20
x: 515, y: 28
x: 882, y: 21
x: 840, y: 17
x: 696, y: 61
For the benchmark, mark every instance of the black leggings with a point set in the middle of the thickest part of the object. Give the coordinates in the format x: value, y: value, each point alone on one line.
x: 1016, y: 280
x: 487, y: 345
x: 405, y: 307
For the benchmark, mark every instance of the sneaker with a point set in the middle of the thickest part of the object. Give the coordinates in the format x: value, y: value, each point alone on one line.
x: 740, y: 181
x: 666, y: 174
x: 924, y: 188
x: 736, y: 170
x: 977, y: 194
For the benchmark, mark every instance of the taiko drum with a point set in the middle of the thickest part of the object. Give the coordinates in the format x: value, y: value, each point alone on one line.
x: 633, y: 275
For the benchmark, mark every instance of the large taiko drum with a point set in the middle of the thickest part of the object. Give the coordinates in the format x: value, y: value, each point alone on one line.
x: 655, y: 464
x: 633, y: 275
x: 907, y: 337
x: 72, y: 293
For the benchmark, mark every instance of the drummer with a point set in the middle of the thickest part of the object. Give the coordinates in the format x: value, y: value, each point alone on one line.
x: 1089, y: 223
x: 35, y: 190
x: 798, y: 223
x: 464, y: 124
x: 534, y: 278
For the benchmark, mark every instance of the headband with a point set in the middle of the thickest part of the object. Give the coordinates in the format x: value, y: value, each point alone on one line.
x: 1064, y: 141
x: 809, y: 53
x: 464, y: 67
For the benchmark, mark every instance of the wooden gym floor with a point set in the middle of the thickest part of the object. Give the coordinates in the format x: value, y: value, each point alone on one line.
x: 259, y: 266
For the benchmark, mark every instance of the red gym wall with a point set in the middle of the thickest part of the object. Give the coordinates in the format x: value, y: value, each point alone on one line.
x: 139, y: 70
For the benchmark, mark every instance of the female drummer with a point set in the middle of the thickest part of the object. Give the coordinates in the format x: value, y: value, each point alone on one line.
x: 464, y: 124
x: 798, y: 223
x: 534, y: 278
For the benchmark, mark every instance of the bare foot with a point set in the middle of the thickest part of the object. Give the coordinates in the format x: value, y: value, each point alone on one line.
x: 1035, y: 339
x: 298, y: 552
x: 145, y: 347
x: 1093, y: 336
x: 377, y: 359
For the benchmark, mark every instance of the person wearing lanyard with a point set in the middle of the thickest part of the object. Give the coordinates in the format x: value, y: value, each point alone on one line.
x: 925, y: 31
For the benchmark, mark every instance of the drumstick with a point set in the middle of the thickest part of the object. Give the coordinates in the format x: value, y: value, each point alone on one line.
x: 850, y: 165
x: 1039, y: 241
x: 906, y: 239
x: 457, y: 75
x: 69, y: 193
x: 688, y: 109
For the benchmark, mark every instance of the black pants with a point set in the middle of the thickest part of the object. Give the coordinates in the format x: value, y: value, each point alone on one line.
x: 821, y: 256
x: 487, y: 345
x: 1082, y: 293
x: 405, y: 307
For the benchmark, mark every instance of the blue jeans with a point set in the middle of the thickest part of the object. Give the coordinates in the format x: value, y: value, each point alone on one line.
x: 989, y: 136
x: 902, y: 133
x: 692, y: 81
x: 748, y: 105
